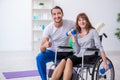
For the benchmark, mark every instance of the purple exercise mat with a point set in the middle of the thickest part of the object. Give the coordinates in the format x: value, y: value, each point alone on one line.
x: 18, y: 74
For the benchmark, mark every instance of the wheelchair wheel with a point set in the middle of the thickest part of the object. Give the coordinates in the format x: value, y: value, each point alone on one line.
x: 108, y: 75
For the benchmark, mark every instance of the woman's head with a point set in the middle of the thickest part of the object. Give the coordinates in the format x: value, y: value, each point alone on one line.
x: 82, y: 21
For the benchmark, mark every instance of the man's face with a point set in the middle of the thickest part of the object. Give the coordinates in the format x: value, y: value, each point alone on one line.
x: 57, y: 15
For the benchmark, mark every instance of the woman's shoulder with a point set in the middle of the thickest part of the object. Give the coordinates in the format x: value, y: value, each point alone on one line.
x: 93, y: 31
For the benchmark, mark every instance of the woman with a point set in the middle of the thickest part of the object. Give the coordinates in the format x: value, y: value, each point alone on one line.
x: 86, y: 37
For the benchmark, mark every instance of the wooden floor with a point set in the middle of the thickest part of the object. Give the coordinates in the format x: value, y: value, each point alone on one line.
x: 25, y: 60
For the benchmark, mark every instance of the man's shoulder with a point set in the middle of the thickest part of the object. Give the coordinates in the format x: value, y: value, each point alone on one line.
x: 69, y: 22
x: 66, y: 20
x: 50, y: 25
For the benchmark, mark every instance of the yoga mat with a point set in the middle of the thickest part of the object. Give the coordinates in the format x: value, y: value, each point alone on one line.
x: 18, y: 74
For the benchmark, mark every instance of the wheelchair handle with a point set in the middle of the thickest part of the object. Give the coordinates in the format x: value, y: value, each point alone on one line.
x: 101, y: 36
x: 65, y: 47
x: 105, y: 35
x: 92, y: 49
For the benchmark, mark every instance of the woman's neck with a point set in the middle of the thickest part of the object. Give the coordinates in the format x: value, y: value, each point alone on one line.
x: 83, y: 30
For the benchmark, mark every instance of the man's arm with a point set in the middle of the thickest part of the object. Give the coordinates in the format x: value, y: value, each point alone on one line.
x: 45, y: 44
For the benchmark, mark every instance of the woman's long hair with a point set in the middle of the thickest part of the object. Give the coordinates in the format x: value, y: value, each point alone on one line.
x: 88, y: 25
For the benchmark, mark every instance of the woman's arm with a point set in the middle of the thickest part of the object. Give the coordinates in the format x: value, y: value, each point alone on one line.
x: 100, y: 47
x: 76, y: 46
x: 103, y: 55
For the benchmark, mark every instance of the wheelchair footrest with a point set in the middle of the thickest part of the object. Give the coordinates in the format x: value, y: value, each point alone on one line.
x: 75, y: 76
x: 50, y: 72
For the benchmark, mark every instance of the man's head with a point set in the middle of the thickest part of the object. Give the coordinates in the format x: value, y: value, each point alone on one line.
x: 57, y: 14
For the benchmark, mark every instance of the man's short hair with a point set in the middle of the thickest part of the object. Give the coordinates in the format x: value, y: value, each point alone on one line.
x: 56, y: 7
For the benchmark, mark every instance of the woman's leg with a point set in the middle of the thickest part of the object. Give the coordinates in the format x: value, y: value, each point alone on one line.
x: 58, y: 70
x: 68, y: 70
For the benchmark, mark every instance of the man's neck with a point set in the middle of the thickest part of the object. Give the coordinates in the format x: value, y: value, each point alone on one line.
x: 58, y: 25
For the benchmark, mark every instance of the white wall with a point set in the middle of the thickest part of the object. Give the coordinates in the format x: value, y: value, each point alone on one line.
x: 15, y: 21
x: 15, y: 25
x: 98, y: 11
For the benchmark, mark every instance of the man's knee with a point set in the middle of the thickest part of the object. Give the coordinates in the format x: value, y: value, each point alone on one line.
x: 40, y: 57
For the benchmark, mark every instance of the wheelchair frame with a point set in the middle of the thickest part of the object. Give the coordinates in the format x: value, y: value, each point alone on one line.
x: 78, y: 71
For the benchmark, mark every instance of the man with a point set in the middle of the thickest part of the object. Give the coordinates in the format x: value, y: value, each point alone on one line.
x: 54, y: 35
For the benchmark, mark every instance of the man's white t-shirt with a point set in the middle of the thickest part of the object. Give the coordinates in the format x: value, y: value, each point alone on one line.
x: 58, y: 35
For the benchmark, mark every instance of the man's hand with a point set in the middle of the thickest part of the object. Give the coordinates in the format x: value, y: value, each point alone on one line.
x: 47, y: 44
x: 43, y: 47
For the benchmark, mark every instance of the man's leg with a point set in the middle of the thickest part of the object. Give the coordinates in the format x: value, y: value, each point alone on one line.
x: 42, y: 58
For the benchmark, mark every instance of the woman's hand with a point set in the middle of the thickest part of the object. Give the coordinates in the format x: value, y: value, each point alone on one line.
x: 72, y: 36
x: 106, y: 66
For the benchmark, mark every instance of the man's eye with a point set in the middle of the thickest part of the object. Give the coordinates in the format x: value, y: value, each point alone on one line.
x: 59, y: 13
x: 53, y: 14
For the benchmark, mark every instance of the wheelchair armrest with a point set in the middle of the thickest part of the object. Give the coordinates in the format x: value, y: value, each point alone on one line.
x: 92, y: 49
x: 65, y: 47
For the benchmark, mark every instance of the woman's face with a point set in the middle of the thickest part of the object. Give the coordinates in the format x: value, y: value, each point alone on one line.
x: 82, y: 22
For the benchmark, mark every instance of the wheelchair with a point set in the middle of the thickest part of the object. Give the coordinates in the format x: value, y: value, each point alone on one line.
x: 86, y: 70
